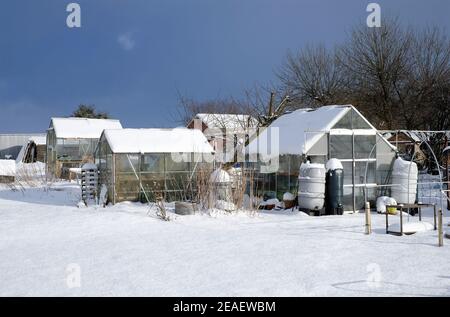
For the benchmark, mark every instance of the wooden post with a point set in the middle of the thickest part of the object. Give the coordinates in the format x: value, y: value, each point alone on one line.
x: 368, y: 219
x: 434, y: 215
x: 440, y: 233
x: 387, y: 221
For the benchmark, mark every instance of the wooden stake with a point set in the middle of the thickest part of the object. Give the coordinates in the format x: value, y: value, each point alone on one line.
x: 440, y: 232
x: 368, y: 219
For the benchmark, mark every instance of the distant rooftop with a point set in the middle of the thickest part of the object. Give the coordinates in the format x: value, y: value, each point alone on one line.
x: 227, y: 121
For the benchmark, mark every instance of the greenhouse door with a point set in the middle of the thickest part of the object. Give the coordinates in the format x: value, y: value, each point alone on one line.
x: 353, y: 148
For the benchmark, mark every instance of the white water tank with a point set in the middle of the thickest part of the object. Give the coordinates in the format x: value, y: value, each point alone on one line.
x: 311, y: 186
x: 404, y: 180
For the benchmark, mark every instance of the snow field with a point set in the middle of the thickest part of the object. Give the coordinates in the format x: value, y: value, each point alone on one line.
x: 46, y: 241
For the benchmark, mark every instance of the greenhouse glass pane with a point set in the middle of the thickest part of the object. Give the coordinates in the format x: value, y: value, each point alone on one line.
x: 360, y: 171
x: 127, y: 182
x: 127, y: 163
x: 178, y: 164
x: 345, y: 122
x: 153, y: 163
x: 348, y: 198
x: 364, y: 144
x: 348, y: 172
x: 341, y: 146
x: 284, y: 164
x: 359, y: 198
x: 358, y: 122
x: 352, y: 120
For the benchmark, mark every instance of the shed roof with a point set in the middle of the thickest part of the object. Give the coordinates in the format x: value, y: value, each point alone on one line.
x: 82, y: 128
x: 227, y: 121
x: 180, y: 140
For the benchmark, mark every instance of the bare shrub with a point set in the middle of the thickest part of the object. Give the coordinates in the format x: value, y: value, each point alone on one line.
x: 31, y: 175
x: 161, y: 211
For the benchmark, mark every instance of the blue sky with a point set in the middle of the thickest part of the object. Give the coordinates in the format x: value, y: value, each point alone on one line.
x: 131, y: 57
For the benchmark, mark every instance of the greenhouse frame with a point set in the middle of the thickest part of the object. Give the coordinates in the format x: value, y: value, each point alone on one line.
x: 72, y: 141
x: 148, y: 164
x: 317, y: 135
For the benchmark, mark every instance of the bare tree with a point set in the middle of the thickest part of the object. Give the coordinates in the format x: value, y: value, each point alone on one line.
x: 189, y: 107
x: 429, y: 79
x: 313, y: 77
x: 397, y: 76
x: 377, y: 60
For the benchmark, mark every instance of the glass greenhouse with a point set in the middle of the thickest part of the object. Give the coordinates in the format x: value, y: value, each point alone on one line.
x: 318, y: 135
x: 72, y: 141
x: 141, y: 164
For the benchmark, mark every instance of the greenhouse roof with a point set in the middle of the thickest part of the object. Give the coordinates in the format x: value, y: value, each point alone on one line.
x: 82, y: 128
x: 179, y: 140
x: 298, y: 131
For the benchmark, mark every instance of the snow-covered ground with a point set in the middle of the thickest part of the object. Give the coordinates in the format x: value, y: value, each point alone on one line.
x: 48, y: 246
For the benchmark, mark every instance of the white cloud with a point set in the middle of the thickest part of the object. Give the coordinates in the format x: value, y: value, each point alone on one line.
x: 126, y: 41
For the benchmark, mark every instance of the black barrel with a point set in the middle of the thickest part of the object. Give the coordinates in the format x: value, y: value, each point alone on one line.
x: 334, y: 192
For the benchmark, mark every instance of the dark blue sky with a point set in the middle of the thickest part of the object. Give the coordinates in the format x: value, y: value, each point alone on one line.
x: 130, y: 57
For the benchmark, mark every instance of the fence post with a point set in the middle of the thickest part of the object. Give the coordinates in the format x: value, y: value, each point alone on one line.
x: 368, y: 219
x: 440, y: 233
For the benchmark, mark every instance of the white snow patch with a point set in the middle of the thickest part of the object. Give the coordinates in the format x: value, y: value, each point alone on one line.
x: 7, y: 168
x: 288, y: 196
x: 384, y: 201
x: 333, y: 164
x: 412, y: 227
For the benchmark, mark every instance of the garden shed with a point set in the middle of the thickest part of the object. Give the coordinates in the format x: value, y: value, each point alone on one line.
x: 141, y: 164
x: 72, y: 141
x: 317, y: 135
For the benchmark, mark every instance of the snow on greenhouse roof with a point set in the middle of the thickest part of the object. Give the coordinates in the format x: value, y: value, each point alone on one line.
x: 299, y: 130
x: 82, y: 128
x: 227, y: 121
x: 180, y: 140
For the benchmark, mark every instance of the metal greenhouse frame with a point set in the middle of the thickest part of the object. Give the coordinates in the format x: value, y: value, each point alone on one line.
x: 345, y: 135
x: 147, y: 176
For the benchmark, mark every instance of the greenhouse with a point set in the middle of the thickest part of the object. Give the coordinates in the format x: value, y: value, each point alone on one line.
x: 72, y: 141
x: 148, y: 164
x: 317, y: 135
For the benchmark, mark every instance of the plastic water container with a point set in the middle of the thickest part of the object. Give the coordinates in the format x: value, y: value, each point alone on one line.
x: 404, y: 178
x: 311, y: 193
x: 334, y: 187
